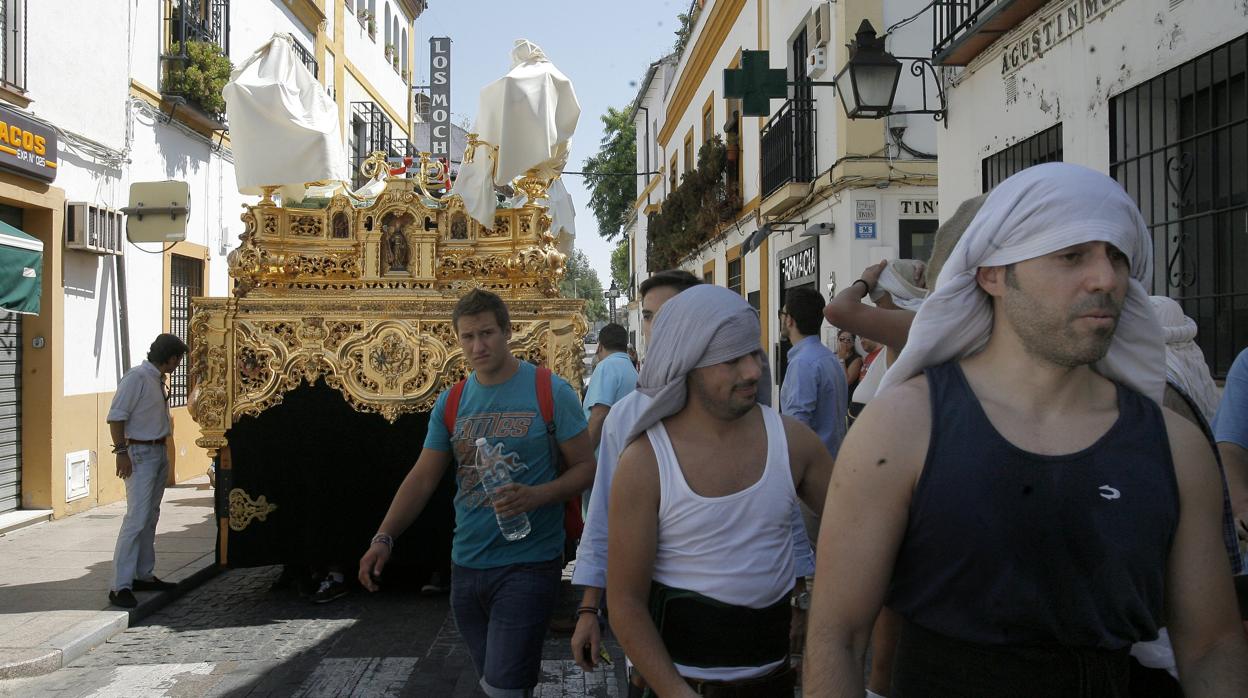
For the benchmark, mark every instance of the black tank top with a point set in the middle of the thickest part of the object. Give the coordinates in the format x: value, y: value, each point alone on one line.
x: 1009, y: 547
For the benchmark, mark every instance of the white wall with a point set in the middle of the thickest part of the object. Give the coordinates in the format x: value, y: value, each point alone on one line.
x: 368, y: 55
x: 253, y: 24
x: 1072, y: 83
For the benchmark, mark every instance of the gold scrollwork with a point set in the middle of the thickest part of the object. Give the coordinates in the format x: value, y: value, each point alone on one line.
x: 244, y: 509
x: 391, y: 358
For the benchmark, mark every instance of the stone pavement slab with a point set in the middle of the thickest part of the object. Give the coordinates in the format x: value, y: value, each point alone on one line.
x: 55, y: 577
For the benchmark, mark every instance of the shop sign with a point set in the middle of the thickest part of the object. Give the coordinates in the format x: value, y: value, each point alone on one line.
x: 440, y: 96
x: 918, y: 208
x: 864, y: 231
x: 27, y: 146
x: 799, y: 264
x: 1050, y: 29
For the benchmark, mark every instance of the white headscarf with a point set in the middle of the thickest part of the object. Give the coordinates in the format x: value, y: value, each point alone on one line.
x: 702, y: 326
x: 1036, y: 212
x: 1185, y: 363
x: 898, y: 279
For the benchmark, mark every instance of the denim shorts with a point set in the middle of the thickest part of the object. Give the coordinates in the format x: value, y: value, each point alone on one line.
x: 502, y: 613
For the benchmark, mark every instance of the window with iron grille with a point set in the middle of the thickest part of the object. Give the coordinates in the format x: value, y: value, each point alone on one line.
x: 1179, y: 146
x: 1043, y: 147
x: 734, y: 275
x: 13, y: 44
x: 370, y: 132
x: 787, y: 142
x: 186, y: 281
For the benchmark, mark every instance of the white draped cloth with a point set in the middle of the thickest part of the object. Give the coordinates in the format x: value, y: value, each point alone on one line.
x: 283, y: 125
x: 899, y: 280
x: 1185, y: 362
x: 1036, y: 212
x: 529, y: 115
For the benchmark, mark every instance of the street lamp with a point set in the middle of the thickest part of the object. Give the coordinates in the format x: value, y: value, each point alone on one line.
x: 868, y: 81
x: 612, y: 294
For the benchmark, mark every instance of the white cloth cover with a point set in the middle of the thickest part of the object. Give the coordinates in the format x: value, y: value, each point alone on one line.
x: 283, y: 126
x: 562, y: 216
x: 898, y: 279
x: 529, y: 114
x: 1038, y: 211
x: 1185, y: 363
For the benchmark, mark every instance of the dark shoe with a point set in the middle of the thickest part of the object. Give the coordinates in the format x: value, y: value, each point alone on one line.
x: 437, y: 584
x: 330, y: 590
x: 124, y: 598
x: 153, y: 584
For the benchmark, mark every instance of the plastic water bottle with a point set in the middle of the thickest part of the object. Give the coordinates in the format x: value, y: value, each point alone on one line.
x: 494, y: 474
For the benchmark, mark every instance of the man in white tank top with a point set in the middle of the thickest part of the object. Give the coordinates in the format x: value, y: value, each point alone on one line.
x: 700, y: 557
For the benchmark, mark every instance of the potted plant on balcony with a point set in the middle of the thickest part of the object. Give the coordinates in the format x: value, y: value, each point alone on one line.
x: 200, y: 76
x: 389, y: 51
x: 372, y: 25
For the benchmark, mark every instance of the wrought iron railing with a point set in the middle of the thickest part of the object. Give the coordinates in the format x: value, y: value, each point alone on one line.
x: 13, y: 38
x: 371, y: 130
x: 306, y: 57
x: 788, y: 146
x: 186, y: 22
x: 956, y: 18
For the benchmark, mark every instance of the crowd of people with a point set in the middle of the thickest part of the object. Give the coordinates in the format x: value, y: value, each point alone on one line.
x: 1013, y: 476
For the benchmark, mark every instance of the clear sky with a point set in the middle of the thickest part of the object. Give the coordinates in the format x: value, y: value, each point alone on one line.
x: 603, y: 47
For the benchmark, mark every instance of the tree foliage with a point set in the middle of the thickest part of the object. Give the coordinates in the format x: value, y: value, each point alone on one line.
x: 613, y: 191
x: 581, y: 281
x: 620, y: 271
x: 694, y: 211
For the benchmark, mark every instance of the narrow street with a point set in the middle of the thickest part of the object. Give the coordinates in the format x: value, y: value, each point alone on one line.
x: 234, y: 637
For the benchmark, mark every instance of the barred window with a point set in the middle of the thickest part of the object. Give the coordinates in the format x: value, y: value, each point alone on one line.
x: 186, y: 280
x: 13, y: 44
x: 734, y: 275
x: 1043, y: 147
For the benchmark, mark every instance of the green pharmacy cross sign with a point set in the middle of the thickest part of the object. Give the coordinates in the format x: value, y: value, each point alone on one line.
x: 756, y: 83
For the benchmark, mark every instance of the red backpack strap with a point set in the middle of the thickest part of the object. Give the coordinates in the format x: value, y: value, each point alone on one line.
x: 451, y: 409
x: 545, y: 398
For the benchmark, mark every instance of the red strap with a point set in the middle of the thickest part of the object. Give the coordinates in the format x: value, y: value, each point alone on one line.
x: 451, y: 409
x: 545, y: 400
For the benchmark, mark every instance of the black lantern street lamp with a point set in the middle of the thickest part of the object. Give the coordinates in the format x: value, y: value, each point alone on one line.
x: 868, y: 81
x: 612, y: 294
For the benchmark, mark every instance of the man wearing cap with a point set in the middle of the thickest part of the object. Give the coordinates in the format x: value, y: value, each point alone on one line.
x: 700, y: 547
x: 1044, y: 509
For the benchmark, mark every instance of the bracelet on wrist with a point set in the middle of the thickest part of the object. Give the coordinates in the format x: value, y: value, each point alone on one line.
x: 586, y: 609
x: 121, y: 448
x: 865, y: 285
x: 383, y: 538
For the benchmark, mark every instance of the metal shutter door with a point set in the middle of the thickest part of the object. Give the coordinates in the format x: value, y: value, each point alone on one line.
x: 10, y: 411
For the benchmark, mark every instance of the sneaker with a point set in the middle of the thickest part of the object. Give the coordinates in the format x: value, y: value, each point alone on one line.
x: 153, y: 584
x: 437, y: 584
x: 330, y: 590
x: 123, y: 598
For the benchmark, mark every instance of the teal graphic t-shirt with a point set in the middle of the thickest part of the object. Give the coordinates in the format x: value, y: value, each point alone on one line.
x: 507, y: 413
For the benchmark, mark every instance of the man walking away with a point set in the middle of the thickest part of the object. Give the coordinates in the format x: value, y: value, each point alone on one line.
x: 502, y: 592
x: 139, y: 422
x: 701, y: 559
x: 613, y: 378
x: 814, y: 390
x: 1044, y: 508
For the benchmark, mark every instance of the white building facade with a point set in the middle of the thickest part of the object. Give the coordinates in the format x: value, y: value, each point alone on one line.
x: 820, y: 196
x: 1150, y: 92
x: 118, y: 117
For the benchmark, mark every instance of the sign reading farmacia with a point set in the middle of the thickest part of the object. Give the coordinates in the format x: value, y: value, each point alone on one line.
x: 1050, y: 28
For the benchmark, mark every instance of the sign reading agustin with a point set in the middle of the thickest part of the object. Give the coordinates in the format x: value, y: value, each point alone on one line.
x: 27, y: 146
x: 440, y: 96
x: 1050, y: 29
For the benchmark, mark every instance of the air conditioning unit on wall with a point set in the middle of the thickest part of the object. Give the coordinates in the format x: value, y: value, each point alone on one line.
x: 94, y: 229
x: 819, y: 25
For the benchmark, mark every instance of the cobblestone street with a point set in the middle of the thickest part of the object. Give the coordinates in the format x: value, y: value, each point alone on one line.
x: 234, y: 637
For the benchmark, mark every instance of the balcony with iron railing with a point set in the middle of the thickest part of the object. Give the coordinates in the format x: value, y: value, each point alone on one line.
x: 305, y: 57
x: 196, y: 34
x: 787, y: 146
x: 963, y: 29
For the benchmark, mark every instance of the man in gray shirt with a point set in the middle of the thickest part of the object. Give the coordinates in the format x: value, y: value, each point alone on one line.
x: 139, y: 422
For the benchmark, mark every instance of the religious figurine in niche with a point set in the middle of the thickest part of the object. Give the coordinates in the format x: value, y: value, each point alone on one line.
x: 459, y: 227
x: 342, y: 227
x: 396, y: 248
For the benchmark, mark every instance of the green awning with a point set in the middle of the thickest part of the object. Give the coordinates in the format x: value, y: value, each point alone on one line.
x: 21, y: 270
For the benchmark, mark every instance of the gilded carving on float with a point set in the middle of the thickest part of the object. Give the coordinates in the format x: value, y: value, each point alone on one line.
x: 359, y: 294
x: 244, y: 509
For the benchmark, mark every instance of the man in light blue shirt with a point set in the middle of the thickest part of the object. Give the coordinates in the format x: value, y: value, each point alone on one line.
x: 1230, y: 430
x: 814, y: 390
x: 613, y: 378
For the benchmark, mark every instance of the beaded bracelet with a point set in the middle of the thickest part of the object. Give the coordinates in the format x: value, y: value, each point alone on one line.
x: 580, y: 610
x: 383, y: 538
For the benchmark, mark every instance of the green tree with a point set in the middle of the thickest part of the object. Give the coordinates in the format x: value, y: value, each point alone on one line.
x: 613, y: 188
x: 581, y: 281
x: 620, y: 271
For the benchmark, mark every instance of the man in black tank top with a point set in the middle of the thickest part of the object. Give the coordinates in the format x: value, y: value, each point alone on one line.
x: 1038, y: 517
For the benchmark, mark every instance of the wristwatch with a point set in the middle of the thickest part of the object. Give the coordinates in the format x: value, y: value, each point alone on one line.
x: 800, y: 601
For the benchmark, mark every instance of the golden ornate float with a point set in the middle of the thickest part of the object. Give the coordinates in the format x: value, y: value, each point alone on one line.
x: 359, y: 294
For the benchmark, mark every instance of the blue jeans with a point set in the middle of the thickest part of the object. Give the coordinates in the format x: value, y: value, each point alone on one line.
x: 502, y: 614
x: 135, y: 554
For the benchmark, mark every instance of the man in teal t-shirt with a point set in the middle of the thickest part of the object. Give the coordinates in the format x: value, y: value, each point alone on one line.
x: 613, y: 378
x: 502, y: 592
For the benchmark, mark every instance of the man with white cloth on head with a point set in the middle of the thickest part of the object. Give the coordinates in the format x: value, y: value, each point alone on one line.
x: 700, y: 556
x: 1046, y: 508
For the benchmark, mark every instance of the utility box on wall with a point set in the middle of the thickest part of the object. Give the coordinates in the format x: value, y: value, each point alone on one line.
x: 78, y: 474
